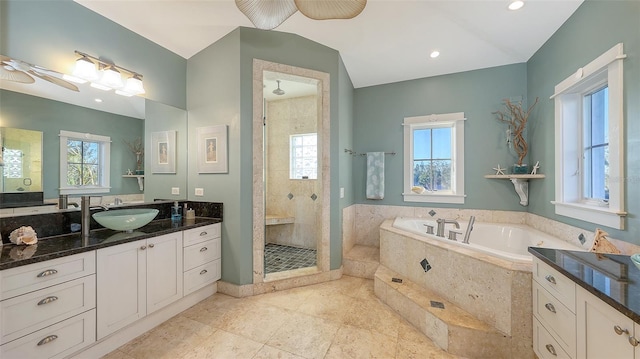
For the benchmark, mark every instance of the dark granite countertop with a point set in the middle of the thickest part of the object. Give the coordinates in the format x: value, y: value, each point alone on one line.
x: 612, y: 278
x: 68, y: 244
x: 26, y: 204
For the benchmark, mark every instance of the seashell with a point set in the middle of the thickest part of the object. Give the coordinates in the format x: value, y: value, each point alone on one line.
x: 24, y: 235
x: 18, y: 253
x: 602, y: 245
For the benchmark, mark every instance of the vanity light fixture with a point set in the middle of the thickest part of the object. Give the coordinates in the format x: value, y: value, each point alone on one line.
x: 516, y: 5
x: 107, y: 76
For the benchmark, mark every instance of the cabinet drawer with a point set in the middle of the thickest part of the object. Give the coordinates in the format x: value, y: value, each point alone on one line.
x: 545, y: 346
x: 201, y: 253
x: 56, y: 341
x: 561, y: 287
x: 201, y: 234
x: 199, y: 277
x: 33, y: 311
x: 557, y: 318
x: 24, y: 279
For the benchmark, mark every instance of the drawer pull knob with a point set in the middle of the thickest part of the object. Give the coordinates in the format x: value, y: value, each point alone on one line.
x: 203, y: 271
x: 151, y: 245
x: 618, y: 329
x: 143, y: 248
x: 47, y: 273
x: 550, y: 279
x: 203, y: 249
x: 551, y: 350
x: 48, y: 300
x: 633, y: 341
x: 550, y: 307
x: 203, y: 233
x: 48, y: 339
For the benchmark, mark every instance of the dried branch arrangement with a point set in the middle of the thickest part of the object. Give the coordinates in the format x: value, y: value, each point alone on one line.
x: 516, y: 117
x: 137, y: 147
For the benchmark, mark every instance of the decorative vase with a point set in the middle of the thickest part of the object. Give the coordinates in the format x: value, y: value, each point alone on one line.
x: 520, y: 169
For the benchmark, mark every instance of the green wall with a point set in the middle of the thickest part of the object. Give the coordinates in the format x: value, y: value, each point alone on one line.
x: 35, y: 113
x: 593, y: 29
x: 380, y: 111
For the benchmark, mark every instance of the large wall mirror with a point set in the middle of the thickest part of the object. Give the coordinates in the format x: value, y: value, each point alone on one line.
x: 47, y: 108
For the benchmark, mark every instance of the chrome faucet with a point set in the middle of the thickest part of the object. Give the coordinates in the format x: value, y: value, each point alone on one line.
x: 467, y: 233
x: 117, y: 201
x: 441, y: 222
x: 85, y: 212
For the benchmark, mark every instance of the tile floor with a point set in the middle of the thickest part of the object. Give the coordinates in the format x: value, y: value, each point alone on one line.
x: 338, y: 319
x: 279, y: 258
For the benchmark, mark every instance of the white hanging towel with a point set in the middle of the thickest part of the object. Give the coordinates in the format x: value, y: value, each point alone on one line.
x: 375, y: 175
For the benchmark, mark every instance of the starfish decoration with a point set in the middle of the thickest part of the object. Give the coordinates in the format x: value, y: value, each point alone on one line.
x: 499, y: 171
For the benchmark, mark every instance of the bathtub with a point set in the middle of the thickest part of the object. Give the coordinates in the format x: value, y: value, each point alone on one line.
x: 505, y: 241
x: 490, y: 277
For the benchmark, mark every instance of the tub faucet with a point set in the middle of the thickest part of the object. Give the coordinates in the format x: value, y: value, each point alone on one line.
x: 441, y: 222
x: 467, y: 233
x: 85, y: 213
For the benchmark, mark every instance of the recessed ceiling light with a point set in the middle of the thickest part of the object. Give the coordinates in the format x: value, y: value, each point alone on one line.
x: 98, y: 100
x: 435, y: 54
x: 516, y: 5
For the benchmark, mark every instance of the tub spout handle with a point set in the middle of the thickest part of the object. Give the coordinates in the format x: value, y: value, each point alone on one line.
x: 429, y: 228
x: 452, y: 235
x: 467, y: 233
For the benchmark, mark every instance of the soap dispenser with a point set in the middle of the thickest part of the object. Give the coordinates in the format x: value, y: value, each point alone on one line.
x: 176, y: 212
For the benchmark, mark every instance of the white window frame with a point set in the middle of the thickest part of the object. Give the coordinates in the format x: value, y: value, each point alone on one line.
x: 456, y: 121
x: 105, y: 160
x: 606, y: 70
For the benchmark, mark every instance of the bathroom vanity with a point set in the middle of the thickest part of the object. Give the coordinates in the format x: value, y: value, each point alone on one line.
x: 585, y: 305
x: 68, y: 295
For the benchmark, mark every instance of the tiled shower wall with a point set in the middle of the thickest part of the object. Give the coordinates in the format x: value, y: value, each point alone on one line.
x: 361, y: 224
x: 284, y: 196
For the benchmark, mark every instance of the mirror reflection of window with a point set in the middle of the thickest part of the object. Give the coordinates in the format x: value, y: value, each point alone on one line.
x: 13, y: 163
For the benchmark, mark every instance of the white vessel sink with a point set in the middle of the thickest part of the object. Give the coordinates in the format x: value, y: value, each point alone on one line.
x: 125, y: 219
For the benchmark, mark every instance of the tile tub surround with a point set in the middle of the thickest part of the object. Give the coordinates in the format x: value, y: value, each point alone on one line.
x: 622, y: 293
x: 59, y: 223
x: 361, y: 228
x: 493, y: 290
x: 338, y: 319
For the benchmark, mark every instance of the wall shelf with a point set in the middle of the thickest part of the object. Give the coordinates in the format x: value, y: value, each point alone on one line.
x: 520, y: 184
x: 140, y: 180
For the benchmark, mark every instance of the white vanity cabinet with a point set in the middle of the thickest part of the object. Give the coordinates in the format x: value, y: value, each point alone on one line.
x: 570, y: 322
x: 603, y: 332
x: 137, y: 278
x: 47, y: 309
x: 202, y: 257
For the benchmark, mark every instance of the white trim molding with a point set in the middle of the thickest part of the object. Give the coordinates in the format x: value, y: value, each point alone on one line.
x: 456, y: 122
x: 105, y: 160
x: 569, y: 201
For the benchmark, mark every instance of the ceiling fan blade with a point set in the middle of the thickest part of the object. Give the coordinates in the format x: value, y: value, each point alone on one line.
x: 55, y: 80
x: 9, y: 73
x: 267, y: 14
x: 334, y: 9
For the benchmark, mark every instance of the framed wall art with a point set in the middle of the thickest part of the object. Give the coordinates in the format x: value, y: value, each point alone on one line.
x: 212, y: 149
x: 163, y: 152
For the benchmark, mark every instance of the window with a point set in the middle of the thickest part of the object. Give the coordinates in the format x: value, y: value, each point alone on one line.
x: 434, y: 158
x: 303, y: 156
x: 84, y: 163
x: 589, y: 142
x: 12, y: 163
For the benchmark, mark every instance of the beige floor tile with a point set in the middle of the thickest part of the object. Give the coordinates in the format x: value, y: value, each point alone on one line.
x: 332, y: 306
x: 223, y: 344
x: 288, y: 299
x: 413, y: 344
x: 305, y: 335
x: 169, y: 340
x: 374, y: 315
x: 347, y: 285
x: 255, y: 321
x: 269, y: 352
x: 353, y: 342
x: 117, y: 354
